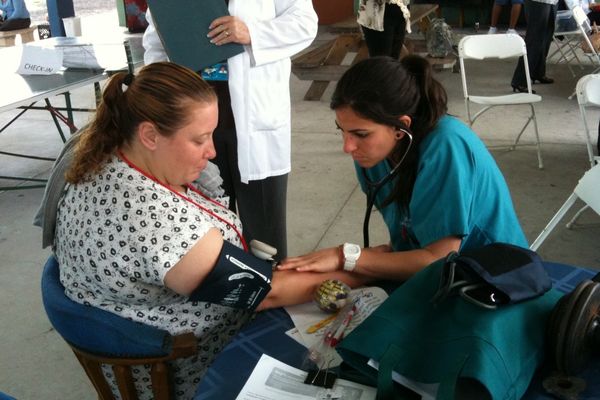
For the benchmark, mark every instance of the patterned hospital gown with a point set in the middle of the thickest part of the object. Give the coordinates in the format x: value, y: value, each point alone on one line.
x: 117, y: 236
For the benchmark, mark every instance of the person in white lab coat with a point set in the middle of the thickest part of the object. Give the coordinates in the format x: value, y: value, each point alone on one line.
x: 253, y: 138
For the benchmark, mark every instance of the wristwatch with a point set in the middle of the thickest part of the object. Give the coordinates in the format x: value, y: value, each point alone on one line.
x: 351, y: 253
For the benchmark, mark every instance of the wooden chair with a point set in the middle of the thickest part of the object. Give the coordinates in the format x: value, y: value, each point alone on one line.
x: 99, y: 337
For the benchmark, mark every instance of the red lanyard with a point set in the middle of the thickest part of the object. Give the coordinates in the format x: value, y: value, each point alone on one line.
x: 188, y: 199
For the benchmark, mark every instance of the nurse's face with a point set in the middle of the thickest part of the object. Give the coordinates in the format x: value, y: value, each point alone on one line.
x: 368, y: 142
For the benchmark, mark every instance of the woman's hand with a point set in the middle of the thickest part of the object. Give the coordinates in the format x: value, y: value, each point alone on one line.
x: 325, y: 260
x: 228, y: 29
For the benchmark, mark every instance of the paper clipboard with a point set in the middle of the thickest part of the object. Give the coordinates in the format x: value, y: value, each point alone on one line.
x: 182, y: 26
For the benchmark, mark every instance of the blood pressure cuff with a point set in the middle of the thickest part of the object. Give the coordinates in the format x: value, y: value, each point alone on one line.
x: 238, y: 280
x: 493, y: 275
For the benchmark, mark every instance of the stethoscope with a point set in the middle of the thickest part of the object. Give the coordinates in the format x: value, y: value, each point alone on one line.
x: 374, y: 187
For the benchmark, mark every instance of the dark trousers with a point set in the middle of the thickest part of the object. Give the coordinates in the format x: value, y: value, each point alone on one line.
x: 15, y: 24
x: 540, y: 29
x: 260, y: 204
x: 594, y: 16
x: 390, y: 41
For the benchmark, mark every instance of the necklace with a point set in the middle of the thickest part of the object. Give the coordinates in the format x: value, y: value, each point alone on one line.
x: 188, y: 199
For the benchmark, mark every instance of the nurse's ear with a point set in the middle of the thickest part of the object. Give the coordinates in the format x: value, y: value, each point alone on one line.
x: 405, y: 121
x: 402, y: 130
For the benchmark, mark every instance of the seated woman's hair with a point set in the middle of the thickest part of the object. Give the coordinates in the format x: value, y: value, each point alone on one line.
x: 161, y: 93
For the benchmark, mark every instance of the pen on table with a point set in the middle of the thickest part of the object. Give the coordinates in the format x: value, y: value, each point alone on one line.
x: 320, y: 324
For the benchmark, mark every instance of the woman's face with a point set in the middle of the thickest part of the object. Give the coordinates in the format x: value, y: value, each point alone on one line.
x: 366, y: 141
x: 184, y: 154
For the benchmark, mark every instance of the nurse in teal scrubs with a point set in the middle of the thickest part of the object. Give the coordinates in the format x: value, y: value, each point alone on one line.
x: 436, y: 185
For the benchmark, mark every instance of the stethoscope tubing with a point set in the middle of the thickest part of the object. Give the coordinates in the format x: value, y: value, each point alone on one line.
x: 374, y: 187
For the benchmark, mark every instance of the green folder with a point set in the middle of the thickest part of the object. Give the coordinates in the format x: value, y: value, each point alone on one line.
x: 182, y: 26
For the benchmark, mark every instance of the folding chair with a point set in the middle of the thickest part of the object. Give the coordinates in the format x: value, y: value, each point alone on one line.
x: 588, y: 95
x: 584, y: 26
x: 586, y: 190
x: 567, y: 40
x: 502, y: 46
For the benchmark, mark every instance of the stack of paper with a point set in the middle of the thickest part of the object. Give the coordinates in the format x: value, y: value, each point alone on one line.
x: 273, y: 380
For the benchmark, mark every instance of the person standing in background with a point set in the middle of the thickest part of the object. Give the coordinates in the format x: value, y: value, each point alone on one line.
x: 253, y: 137
x: 384, y: 24
x: 515, y: 12
x: 541, y: 17
x: 591, y: 8
x: 13, y: 15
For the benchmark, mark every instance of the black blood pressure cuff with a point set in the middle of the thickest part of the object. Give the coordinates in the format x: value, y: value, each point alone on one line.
x: 238, y: 280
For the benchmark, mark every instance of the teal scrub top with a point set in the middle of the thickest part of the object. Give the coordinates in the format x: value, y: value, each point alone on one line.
x: 459, y: 191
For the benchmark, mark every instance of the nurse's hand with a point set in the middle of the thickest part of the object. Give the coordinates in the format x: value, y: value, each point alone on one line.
x: 325, y: 260
x: 228, y: 29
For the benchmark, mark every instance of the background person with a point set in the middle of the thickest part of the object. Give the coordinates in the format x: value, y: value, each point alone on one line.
x: 384, y: 24
x: 13, y: 15
x: 448, y: 194
x: 541, y: 18
x: 591, y: 8
x: 253, y: 138
x: 515, y: 12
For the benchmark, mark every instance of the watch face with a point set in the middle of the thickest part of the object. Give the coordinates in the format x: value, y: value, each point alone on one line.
x: 351, y: 249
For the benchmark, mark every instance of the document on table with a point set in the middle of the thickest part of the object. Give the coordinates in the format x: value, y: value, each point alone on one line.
x: 273, y: 380
x: 308, y: 314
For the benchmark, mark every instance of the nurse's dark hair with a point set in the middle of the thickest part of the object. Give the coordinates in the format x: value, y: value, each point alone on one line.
x: 383, y: 89
x: 161, y: 93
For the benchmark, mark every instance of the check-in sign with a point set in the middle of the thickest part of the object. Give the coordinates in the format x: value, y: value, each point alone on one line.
x: 40, y: 61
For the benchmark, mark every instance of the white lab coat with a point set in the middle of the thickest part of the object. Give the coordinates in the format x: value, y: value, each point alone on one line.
x: 259, y: 80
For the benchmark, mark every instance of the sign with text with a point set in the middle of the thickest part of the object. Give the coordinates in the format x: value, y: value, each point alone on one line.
x: 40, y: 61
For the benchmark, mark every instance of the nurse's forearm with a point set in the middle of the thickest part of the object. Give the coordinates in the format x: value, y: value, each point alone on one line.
x: 401, y: 265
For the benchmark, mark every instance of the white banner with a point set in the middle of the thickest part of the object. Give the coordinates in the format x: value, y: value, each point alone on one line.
x: 40, y: 61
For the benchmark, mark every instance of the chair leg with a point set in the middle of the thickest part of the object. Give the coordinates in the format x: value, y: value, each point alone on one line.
x: 563, y: 56
x: 576, y: 216
x: 553, y: 222
x: 514, y: 146
x: 588, y: 140
x: 537, y: 138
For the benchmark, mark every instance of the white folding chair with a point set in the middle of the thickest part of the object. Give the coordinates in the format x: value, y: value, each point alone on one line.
x: 584, y: 26
x: 502, y: 46
x: 588, y: 95
x: 567, y: 39
x: 587, y: 190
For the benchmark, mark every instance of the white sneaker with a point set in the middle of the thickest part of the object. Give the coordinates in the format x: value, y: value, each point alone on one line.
x: 492, y: 30
x: 512, y: 31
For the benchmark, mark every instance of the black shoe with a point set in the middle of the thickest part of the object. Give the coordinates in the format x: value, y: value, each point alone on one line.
x: 521, y: 89
x: 543, y: 79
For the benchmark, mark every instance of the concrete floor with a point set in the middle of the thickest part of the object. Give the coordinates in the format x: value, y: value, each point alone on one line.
x: 325, y: 207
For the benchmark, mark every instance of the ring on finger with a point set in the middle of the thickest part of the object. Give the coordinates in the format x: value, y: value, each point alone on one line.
x: 227, y: 33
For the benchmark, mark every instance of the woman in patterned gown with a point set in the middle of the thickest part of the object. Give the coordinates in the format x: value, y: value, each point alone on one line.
x: 133, y: 235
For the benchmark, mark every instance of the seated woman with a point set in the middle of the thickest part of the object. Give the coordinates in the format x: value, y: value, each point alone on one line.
x: 14, y: 15
x: 433, y: 180
x: 135, y: 237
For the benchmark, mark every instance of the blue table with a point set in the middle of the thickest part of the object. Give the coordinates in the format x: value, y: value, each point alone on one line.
x: 266, y: 334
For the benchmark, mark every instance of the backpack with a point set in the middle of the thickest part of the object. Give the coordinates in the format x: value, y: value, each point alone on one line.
x: 439, y: 38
